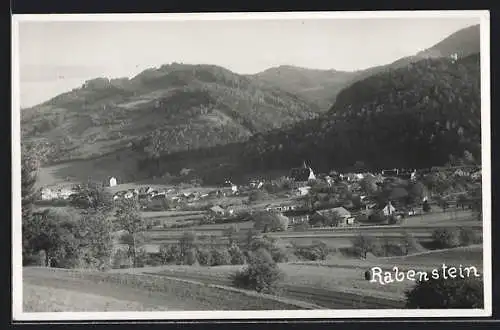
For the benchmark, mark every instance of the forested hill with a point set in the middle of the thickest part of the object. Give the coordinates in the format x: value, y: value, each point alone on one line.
x: 322, y: 86
x: 182, y: 106
x: 415, y: 116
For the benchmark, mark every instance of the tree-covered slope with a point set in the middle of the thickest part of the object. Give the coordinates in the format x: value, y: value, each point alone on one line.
x: 415, y: 116
x: 323, y: 86
x: 189, y: 106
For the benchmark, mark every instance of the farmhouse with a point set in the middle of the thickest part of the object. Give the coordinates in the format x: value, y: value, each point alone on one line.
x: 297, y: 216
x: 389, y: 209
x: 302, y: 174
x: 282, y: 208
x: 303, y: 191
x: 217, y: 210
x: 337, y: 216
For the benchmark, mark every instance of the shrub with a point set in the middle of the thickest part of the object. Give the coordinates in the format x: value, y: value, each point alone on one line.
x: 270, y: 244
x: 304, y: 226
x: 410, y: 244
x: 191, y: 257
x: 220, y: 257
x: 262, y: 273
x: 468, y: 237
x: 446, y: 238
x: 316, y: 251
x: 237, y: 256
x: 446, y: 293
x: 121, y: 259
x: 270, y: 221
x: 171, y: 254
x: 362, y: 245
x: 204, y: 257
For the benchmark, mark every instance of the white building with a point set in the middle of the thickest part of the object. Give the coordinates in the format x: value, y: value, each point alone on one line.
x: 388, y: 209
x: 112, y: 182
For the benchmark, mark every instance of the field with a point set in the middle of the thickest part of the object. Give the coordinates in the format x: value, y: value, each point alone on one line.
x: 58, y: 290
x: 470, y: 255
x: 39, y: 298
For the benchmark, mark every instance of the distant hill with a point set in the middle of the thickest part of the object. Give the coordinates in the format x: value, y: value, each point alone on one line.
x: 188, y: 106
x: 318, y: 86
x: 414, y: 116
x: 323, y: 86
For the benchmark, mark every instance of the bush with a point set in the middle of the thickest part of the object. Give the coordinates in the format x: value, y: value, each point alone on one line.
x: 446, y: 238
x: 121, y: 259
x: 220, y: 257
x: 316, y: 251
x: 262, y: 273
x: 410, y: 244
x: 446, y: 293
x: 304, y: 226
x: 362, y: 245
x: 171, y: 254
x: 191, y: 257
x: 237, y: 256
x: 269, y: 244
x: 204, y: 257
x: 468, y: 237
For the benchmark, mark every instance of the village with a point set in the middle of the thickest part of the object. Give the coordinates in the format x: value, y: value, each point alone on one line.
x: 306, y: 199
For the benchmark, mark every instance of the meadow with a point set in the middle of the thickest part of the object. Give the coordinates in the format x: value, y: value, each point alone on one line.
x: 117, y: 290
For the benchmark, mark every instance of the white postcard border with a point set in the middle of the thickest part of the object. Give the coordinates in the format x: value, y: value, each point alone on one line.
x: 17, y: 287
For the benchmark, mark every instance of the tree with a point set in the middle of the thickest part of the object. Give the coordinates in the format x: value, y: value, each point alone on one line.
x: 362, y: 245
x: 237, y: 256
x: 128, y: 218
x: 230, y: 233
x: 447, y: 293
x: 369, y: 185
x: 29, y: 173
x: 418, y: 191
x: 220, y: 257
x: 187, y: 242
x: 53, y: 232
x: 29, y: 170
x: 270, y: 221
x: 426, y: 206
x: 262, y: 274
x: 92, y: 197
x: 96, y: 242
x: 446, y: 237
x: 155, y: 147
x: 469, y: 158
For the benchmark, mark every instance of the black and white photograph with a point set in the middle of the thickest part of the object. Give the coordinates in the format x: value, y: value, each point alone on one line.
x: 251, y: 165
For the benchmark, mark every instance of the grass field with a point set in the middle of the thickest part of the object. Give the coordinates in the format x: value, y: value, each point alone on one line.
x: 340, y: 273
x: 121, y: 291
x: 470, y: 255
x: 40, y: 298
x: 339, y: 279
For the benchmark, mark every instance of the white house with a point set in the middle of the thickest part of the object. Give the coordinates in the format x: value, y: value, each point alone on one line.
x: 388, y: 209
x: 303, y: 191
x: 112, y: 182
x: 48, y: 194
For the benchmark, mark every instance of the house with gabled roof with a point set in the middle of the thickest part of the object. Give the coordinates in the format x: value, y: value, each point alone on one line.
x: 339, y: 215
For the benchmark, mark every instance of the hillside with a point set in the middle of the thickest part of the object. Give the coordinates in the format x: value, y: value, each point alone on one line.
x: 185, y: 106
x: 323, y: 86
x: 318, y: 86
x: 415, y: 116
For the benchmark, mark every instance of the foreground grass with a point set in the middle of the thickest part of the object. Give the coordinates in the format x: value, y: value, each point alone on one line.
x: 170, y: 294
x: 341, y: 279
x: 38, y: 298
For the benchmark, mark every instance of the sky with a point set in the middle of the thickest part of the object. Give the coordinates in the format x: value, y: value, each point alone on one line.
x: 55, y: 57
